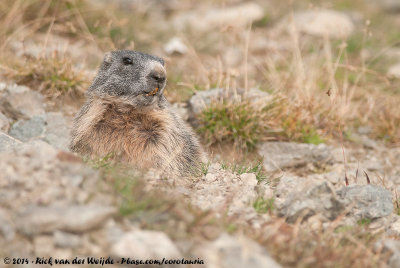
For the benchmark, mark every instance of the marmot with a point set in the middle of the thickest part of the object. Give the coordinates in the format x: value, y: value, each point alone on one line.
x: 127, y: 116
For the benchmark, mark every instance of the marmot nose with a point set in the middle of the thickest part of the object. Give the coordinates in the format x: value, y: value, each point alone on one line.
x: 158, y: 76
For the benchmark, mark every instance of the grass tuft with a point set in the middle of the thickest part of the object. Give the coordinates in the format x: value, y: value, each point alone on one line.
x: 262, y: 205
x: 53, y: 75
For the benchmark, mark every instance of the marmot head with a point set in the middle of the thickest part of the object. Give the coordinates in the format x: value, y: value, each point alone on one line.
x: 131, y: 77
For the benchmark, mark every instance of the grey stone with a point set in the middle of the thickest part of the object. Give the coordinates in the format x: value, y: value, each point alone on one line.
x: 368, y: 201
x: 392, y: 246
x: 143, y: 244
x: 287, y: 183
x: 25, y: 100
x: 322, y: 22
x: 57, y: 131
x: 66, y: 240
x: 281, y: 155
x: 4, y: 123
x: 26, y: 130
x: 7, y: 143
x: 393, y: 228
x: 202, y: 99
x: 311, y: 200
x: 235, y: 252
x: 36, y: 219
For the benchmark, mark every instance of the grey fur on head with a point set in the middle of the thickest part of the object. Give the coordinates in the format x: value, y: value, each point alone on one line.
x: 131, y: 76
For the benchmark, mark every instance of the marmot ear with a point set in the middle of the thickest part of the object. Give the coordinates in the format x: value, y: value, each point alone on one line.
x: 107, y: 57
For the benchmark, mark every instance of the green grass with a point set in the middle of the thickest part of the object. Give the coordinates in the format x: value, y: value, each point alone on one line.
x: 237, y: 123
x: 364, y: 221
x: 263, y: 206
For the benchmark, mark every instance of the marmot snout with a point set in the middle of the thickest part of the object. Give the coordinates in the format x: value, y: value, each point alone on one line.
x: 127, y: 115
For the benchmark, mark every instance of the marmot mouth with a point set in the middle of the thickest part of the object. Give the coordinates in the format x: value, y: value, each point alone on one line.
x: 152, y: 93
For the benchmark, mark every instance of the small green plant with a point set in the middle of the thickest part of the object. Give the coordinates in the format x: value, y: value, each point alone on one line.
x: 256, y: 169
x: 232, y: 122
x: 241, y: 168
x: 262, y: 205
x: 364, y: 221
x: 104, y: 162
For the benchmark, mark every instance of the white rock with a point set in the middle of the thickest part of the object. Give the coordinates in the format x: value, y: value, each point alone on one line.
x: 204, y: 20
x: 323, y: 23
x: 143, y: 244
x: 210, y: 177
x: 175, y: 45
x: 7, y: 143
x: 199, y: 101
x: 249, y: 179
x: 66, y: 240
x: 235, y: 252
x: 281, y: 155
x: 36, y: 220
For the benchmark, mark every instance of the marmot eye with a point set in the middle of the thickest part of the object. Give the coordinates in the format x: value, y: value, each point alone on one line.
x: 127, y: 60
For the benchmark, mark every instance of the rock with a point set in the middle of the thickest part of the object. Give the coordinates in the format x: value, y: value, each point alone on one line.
x: 287, y: 184
x: 312, y: 199
x: 392, y: 246
x: 394, y: 71
x: 4, y: 123
x: 141, y: 244
x: 235, y: 252
x: 322, y: 23
x: 394, y: 228
x: 249, y: 179
x: 25, y: 100
x: 7, y: 230
x: 182, y: 110
x: 222, y: 189
x: 175, y: 46
x: 43, y: 245
x: 66, y: 240
x: 282, y: 155
x: 26, y: 130
x: 57, y: 131
x: 368, y: 201
x: 214, y: 168
x: 204, y: 20
x: 202, y: 99
x: 37, y: 220
x: 7, y: 143
x: 50, y: 127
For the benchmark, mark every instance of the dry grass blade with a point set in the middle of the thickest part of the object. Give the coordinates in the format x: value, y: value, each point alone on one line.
x: 366, y: 175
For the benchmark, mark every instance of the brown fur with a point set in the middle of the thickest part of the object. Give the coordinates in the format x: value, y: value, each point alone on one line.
x: 153, y: 137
